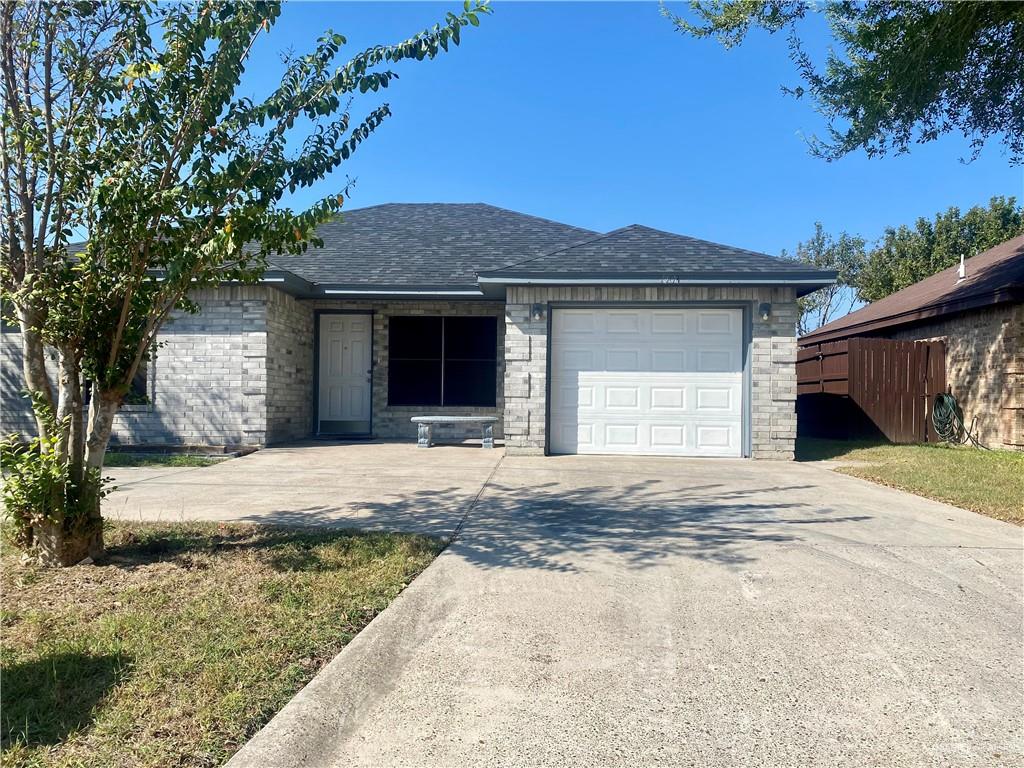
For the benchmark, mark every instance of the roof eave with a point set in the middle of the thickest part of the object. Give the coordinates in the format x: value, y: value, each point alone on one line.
x: 303, y: 289
x: 1007, y: 294
x: 281, y: 279
x: 356, y: 291
x: 288, y: 282
x: 803, y: 282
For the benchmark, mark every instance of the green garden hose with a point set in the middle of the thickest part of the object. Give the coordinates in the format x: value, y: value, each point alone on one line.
x: 948, y: 420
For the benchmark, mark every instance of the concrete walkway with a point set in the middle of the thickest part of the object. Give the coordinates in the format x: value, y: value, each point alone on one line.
x: 611, y: 611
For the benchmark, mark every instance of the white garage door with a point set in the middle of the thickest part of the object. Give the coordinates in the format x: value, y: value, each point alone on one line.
x: 647, y: 381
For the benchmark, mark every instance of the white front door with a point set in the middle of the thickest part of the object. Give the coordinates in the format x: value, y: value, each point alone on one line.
x: 345, y: 374
x: 665, y: 381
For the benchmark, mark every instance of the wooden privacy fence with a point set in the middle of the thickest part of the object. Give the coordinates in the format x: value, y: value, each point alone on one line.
x: 893, y: 382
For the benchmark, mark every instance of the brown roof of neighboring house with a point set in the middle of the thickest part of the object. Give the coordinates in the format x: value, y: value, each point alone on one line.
x: 993, y: 277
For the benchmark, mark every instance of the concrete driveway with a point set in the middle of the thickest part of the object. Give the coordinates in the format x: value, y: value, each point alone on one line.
x: 605, y: 612
x: 392, y: 486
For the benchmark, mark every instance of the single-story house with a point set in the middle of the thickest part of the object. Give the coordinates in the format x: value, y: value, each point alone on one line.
x: 636, y: 341
x: 977, y: 311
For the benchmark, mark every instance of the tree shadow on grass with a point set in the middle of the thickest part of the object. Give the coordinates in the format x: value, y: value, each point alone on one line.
x: 45, y: 700
x: 283, y: 547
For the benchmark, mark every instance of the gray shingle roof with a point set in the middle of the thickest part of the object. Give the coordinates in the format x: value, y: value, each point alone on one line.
x: 425, y: 244
x: 457, y: 247
x: 637, y: 250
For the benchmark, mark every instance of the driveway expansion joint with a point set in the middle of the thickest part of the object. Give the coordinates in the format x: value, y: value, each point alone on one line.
x: 472, y: 504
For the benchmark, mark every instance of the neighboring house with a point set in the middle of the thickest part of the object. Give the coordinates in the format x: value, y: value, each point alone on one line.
x: 979, y: 315
x: 635, y: 342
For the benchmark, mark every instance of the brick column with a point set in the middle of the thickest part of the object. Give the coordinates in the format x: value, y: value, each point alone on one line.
x: 773, y: 379
x: 526, y: 355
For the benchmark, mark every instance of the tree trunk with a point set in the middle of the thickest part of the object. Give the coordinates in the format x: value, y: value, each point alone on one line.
x: 71, y: 441
x: 102, y: 408
x: 55, y: 544
x: 80, y: 534
x: 34, y: 362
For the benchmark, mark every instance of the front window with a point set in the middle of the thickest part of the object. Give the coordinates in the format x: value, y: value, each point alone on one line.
x: 138, y: 394
x: 442, y: 361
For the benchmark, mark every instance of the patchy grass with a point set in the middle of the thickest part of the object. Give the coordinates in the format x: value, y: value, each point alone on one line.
x: 121, y: 459
x: 184, y: 640
x: 989, y: 482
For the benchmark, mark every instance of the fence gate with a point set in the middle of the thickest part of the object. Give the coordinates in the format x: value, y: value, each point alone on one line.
x: 894, y: 383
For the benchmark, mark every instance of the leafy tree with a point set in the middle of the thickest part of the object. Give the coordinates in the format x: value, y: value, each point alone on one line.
x: 902, y: 72
x: 905, y: 255
x: 122, y: 122
x: 844, y: 255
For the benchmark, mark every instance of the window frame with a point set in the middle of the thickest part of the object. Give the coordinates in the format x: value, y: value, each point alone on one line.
x: 443, y: 361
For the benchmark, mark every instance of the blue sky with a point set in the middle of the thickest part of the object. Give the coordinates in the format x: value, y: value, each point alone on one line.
x: 602, y: 115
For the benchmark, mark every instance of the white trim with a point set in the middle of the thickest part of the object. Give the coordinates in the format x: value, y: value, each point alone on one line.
x: 649, y: 281
x: 388, y: 292
x: 161, y: 278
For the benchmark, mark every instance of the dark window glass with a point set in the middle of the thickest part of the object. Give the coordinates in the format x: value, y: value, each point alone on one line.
x: 415, y: 338
x: 414, y: 382
x: 469, y: 382
x: 414, y: 360
x: 448, y: 361
x: 470, y: 338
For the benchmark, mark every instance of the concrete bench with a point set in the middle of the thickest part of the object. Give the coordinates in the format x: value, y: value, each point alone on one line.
x: 425, y: 425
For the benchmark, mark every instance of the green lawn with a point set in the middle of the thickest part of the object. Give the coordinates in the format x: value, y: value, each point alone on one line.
x: 989, y: 482
x: 119, y: 459
x: 185, y: 640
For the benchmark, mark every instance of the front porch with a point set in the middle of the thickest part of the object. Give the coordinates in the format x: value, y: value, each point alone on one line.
x: 362, y: 368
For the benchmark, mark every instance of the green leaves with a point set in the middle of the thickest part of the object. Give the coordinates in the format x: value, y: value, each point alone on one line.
x: 903, y: 256
x: 906, y: 255
x: 729, y: 21
x: 142, y: 69
x: 176, y: 179
x: 900, y: 73
x: 39, y: 485
x: 843, y: 255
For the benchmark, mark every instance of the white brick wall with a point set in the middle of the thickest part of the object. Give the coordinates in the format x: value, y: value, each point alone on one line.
x: 290, y: 406
x: 15, y: 413
x: 241, y: 372
x: 773, y: 364
x: 208, y: 377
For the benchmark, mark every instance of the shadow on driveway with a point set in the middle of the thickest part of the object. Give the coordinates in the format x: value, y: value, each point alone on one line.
x: 553, y: 526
